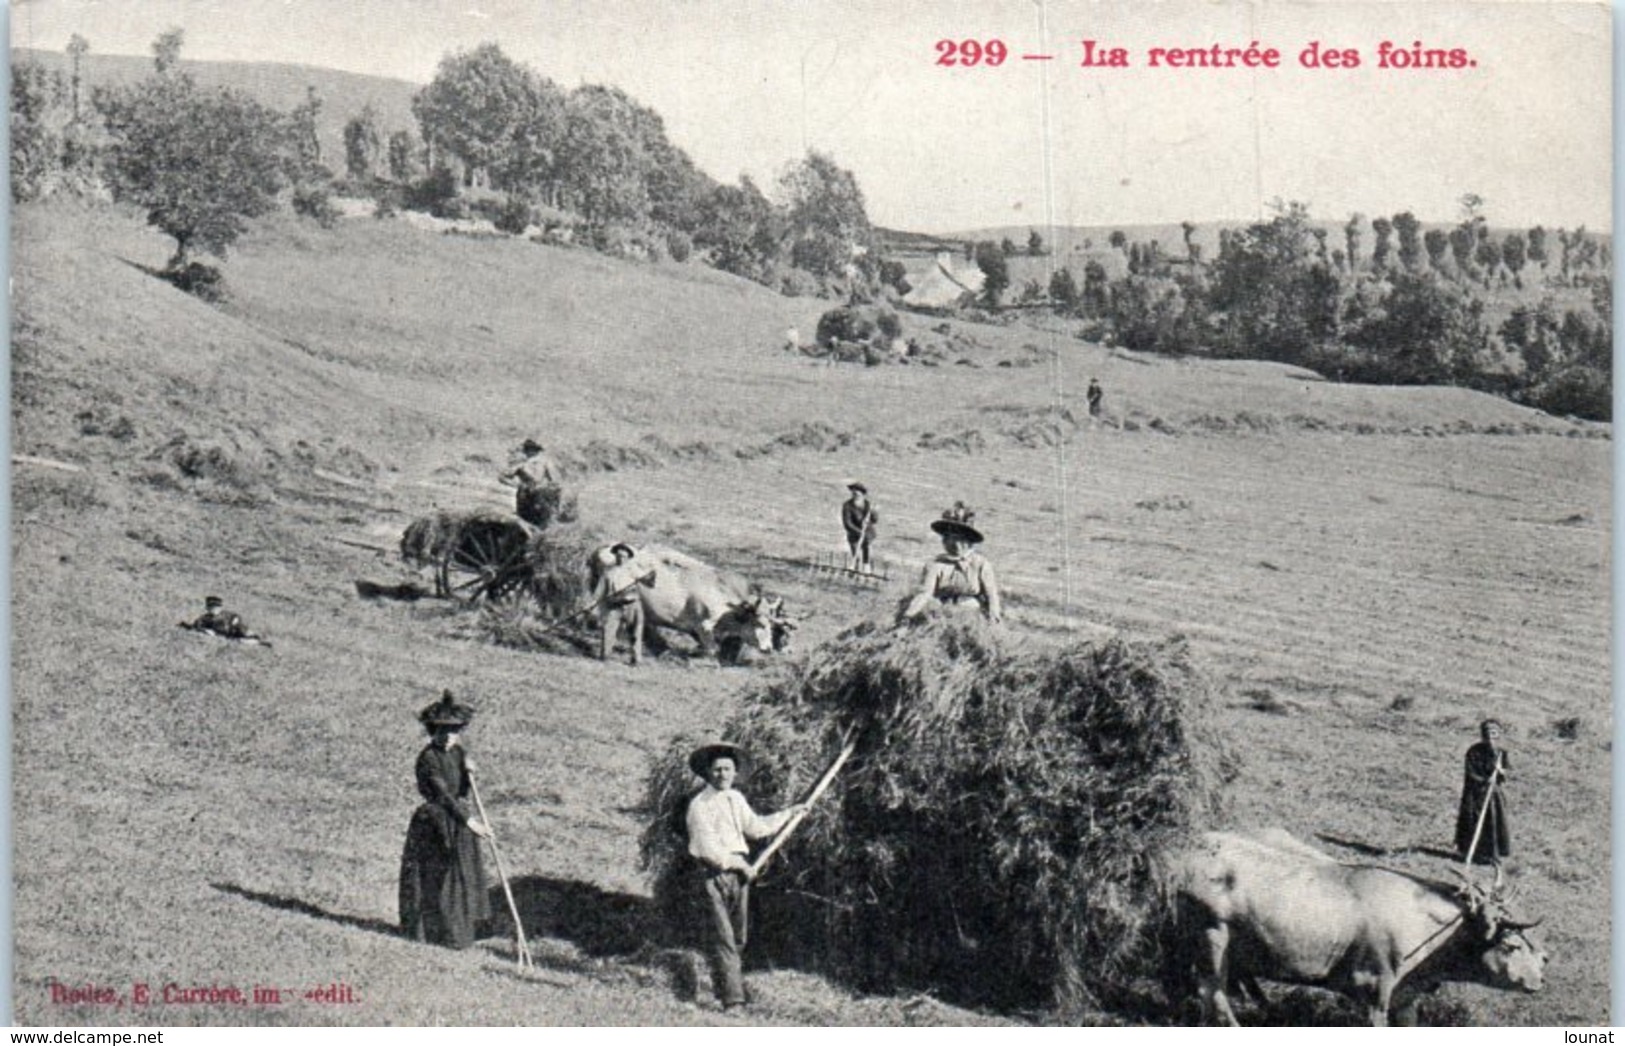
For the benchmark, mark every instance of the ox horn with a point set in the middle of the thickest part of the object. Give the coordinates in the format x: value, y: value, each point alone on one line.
x: 1513, y: 924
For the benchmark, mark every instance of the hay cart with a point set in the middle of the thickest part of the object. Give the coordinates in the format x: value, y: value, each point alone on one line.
x: 490, y: 557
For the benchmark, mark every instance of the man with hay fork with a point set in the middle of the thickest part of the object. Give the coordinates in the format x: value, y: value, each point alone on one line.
x: 719, y: 822
x: 960, y: 576
x: 537, y: 494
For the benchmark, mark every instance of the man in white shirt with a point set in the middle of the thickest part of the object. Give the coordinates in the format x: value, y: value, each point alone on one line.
x: 720, y: 824
x: 619, y: 607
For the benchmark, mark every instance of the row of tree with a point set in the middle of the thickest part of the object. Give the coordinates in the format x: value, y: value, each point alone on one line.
x: 203, y: 162
x: 1274, y: 293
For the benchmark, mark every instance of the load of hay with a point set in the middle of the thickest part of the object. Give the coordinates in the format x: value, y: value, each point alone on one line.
x: 548, y: 565
x: 992, y: 836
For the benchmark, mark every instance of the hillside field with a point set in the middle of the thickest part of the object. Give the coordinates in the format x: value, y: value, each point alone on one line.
x: 1367, y: 571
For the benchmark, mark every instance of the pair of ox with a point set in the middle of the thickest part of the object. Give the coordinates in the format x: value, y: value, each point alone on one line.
x: 1270, y: 906
x: 719, y: 611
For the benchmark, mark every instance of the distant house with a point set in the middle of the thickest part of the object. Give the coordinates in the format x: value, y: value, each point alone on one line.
x: 943, y: 284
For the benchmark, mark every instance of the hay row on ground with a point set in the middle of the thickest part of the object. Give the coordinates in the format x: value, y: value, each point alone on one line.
x: 991, y: 839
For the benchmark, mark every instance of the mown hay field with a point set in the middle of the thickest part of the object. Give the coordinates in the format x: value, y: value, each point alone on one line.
x: 1363, y: 572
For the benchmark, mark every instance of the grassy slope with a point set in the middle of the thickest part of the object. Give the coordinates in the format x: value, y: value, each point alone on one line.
x: 180, y: 803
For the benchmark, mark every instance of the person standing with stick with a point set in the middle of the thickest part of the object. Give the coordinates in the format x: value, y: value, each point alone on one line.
x: 1482, y: 833
x: 442, y: 890
x: 720, y: 824
x: 858, y: 519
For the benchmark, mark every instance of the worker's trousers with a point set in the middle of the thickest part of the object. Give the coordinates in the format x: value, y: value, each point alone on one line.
x: 628, y: 617
x: 727, y: 902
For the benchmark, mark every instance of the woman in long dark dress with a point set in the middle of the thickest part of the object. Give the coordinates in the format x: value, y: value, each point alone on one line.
x: 443, y: 898
x: 1486, y: 770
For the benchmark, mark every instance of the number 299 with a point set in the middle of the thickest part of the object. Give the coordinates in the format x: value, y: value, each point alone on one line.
x: 971, y: 52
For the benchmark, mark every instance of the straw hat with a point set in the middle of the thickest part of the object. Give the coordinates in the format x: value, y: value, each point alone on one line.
x: 702, y: 757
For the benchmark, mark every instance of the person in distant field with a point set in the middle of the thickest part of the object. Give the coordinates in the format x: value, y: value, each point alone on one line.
x: 1486, y: 770
x: 620, y: 608
x: 720, y: 824
x: 217, y: 620
x: 535, y: 477
x: 859, y: 519
x: 442, y: 892
x: 960, y: 576
x: 1094, y: 396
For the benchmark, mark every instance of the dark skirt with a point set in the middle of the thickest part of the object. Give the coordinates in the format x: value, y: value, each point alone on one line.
x: 1495, y: 839
x: 443, y: 897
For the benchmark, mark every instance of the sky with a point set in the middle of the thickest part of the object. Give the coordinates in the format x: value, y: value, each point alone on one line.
x: 747, y: 87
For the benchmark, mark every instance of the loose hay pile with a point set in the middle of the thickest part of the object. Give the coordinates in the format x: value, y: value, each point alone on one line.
x: 991, y: 837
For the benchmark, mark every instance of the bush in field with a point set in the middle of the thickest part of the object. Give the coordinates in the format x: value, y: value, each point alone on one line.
x: 315, y: 200
x: 514, y: 216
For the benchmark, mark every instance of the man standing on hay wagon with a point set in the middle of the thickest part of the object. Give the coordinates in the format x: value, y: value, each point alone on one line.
x: 858, y: 519
x: 719, y: 823
x: 442, y: 895
x: 620, y: 606
x: 537, y: 494
x: 960, y: 576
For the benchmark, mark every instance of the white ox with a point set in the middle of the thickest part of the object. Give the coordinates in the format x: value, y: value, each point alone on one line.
x: 720, y: 611
x: 1276, y: 908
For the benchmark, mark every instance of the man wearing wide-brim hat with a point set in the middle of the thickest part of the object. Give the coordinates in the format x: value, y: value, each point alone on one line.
x: 535, y: 479
x: 960, y: 576
x: 859, y: 519
x: 620, y: 608
x: 720, y: 824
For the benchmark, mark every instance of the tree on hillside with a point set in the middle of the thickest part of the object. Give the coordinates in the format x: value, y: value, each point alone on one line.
x: 1035, y: 244
x: 1008, y: 246
x: 1118, y: 239
x: 1488, y: 257
x: 1351, y: 240
x: 533, y: 163
x: 1427, y: 331
x: 1463, y: 242
x: 200, y: 162
x: 1514, y: 254
x: 1188, y: 230
x: 1095, y: 298
x: 742, y: 231
x: 305, y: 143
x: 474, y: 107
x: 1277, y: 299
x: 166, y: 50
x: 1384, y: 230
x: 995, y: 272
x: 1063, y: 291
x: 403, y: 153
x: 363, y: 144
x: 1409, y: 231
x: 35, y: 145
x: 1537, y: 245
x: 828, y: 218
x: 1437, y: 243
x: 601, y: 162
x: 77, y: 47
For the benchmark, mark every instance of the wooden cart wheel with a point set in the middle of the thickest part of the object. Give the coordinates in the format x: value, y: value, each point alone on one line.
x: 489, y: 562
